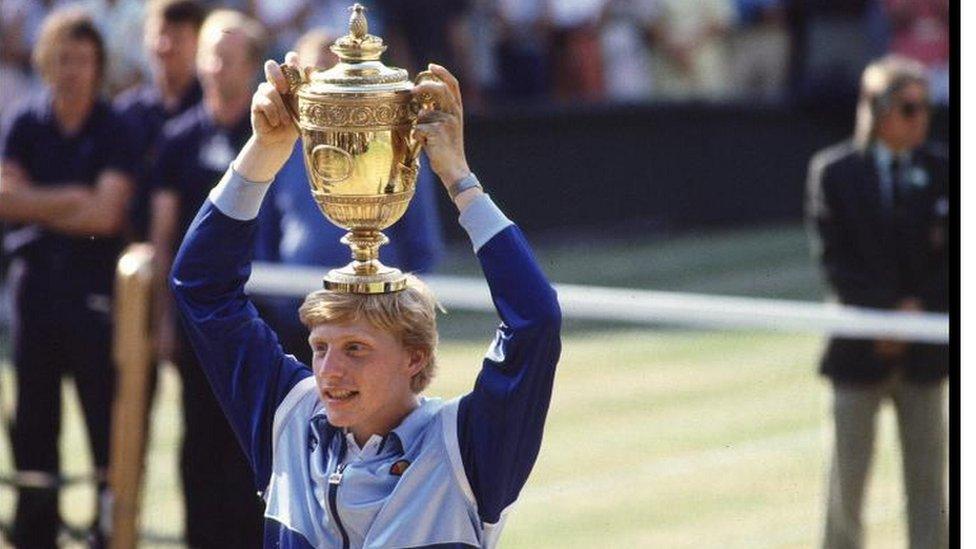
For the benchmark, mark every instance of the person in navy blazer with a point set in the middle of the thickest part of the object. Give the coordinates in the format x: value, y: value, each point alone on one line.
x: 878, y: 208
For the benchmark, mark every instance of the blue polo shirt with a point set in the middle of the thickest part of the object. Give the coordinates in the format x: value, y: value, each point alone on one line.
x: 193, y: 154
x: 62, y: 266
x: 144, y: 112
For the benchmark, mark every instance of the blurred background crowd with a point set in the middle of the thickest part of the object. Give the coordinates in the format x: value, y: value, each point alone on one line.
x: 805, y: 51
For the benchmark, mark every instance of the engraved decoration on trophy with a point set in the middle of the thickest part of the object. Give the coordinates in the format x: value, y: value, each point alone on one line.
x: 356, y: 121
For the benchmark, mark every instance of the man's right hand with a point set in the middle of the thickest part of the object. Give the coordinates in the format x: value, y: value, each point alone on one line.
x: 270, y: 118
x: 274, y: 131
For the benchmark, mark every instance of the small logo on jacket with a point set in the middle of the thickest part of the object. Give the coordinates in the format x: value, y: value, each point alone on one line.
x: 399, y: 467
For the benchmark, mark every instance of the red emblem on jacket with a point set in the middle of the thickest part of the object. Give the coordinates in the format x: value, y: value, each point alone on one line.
x: 399, y: 467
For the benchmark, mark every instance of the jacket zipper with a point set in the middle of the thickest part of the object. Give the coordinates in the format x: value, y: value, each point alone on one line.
x: 334, y: 480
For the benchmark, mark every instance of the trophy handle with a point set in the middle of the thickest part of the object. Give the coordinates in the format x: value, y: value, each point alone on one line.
x: 296, y: 78
x: 416, y: 104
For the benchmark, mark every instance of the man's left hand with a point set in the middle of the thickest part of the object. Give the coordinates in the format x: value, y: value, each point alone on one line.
x: 441, y: 129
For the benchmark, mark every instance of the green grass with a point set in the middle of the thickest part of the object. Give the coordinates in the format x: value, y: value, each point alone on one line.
x: 655, y: 438
x: 771, y: 261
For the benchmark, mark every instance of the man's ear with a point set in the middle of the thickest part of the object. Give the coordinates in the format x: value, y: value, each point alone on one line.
x: 418, y: 359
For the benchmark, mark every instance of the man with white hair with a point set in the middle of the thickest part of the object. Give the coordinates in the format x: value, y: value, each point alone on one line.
x: 878, y: 206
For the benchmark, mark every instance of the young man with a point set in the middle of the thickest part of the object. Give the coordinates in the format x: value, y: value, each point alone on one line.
x: 172, y: 29
x: 346, y: 452
x: 67, y: 176
x: 195, y: 148
x: 879, y: 208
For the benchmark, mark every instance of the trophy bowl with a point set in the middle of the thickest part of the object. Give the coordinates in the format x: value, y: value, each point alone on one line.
x: 356, y: 121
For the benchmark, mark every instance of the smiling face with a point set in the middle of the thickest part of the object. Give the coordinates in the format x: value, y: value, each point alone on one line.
x: 363, y: 375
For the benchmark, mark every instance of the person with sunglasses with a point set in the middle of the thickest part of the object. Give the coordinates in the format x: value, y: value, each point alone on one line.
x: 878, y: 209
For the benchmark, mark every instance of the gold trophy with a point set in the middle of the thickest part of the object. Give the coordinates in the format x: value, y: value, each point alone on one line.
x: 356, y: 121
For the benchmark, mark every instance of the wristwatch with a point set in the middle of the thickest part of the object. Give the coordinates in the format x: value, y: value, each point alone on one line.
x: 467, y: 182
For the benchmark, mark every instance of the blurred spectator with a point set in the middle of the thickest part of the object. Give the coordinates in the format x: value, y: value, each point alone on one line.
x: 879, y: 207
x: 575, y: 56
x: 284, y: 20
x: 20, y: 21
x: 431, y: 31
x: 66, y: 178
x: 483, y: 31
x: 691, y: 49
x: 196, y: 148
x: 760, y: 50
x: 833, y: 46
x: 172, y: 28
x: 13, y: 51
x: 524, y: 37
x: 625, y: 35
x: 120, y: 22
x: 920, y: 30
x: 292, y: 230
x: 313, y: 46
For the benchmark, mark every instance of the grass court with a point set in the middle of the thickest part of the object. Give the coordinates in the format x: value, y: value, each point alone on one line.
x: 656, y: 437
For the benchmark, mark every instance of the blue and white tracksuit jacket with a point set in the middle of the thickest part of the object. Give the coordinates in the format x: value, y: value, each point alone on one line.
x: 443, y: 477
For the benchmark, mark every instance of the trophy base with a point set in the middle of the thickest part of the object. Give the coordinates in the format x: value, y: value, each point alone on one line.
x: 346, y: 281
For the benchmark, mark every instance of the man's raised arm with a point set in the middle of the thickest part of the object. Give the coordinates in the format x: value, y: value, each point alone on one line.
x: 500, y: 422
x: 247, y: 369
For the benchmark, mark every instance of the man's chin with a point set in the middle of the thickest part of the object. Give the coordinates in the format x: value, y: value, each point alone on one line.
x: 339, y: 415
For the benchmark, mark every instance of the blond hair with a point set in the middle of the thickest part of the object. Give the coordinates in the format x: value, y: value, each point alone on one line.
x: 881, y: 80
x: 60, y: 26
x: 409, y: 315
x: 224, y: 20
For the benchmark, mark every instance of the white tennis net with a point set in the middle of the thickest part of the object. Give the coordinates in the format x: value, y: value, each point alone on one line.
x: 649, y: 307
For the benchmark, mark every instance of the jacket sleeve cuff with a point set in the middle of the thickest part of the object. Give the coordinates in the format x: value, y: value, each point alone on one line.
x: 237, y: 197
x: 482, y: 220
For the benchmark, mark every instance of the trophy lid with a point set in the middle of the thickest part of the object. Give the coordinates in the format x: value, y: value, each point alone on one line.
x: 359, y: 69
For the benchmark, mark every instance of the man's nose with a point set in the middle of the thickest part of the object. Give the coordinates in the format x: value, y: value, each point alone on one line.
x: 330, y: 366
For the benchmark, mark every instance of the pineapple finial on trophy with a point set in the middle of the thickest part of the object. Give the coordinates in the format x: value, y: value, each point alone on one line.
x: 358, y: 27
x: 358, y: 45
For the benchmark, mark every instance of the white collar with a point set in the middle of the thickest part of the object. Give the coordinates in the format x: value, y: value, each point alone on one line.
x: 370, y: 449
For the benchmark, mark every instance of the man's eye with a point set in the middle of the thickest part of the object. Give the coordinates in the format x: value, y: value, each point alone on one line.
x: 355, y: 347
x: 319, y: 348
